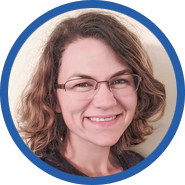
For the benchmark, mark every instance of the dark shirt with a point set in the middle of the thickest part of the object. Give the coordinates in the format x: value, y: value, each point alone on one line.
x: 127, y: 160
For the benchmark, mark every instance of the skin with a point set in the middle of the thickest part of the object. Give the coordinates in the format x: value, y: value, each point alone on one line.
x: 88, y: 142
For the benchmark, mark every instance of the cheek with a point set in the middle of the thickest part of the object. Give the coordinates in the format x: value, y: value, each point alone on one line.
x: 129, y: 105
x: 71, y: 109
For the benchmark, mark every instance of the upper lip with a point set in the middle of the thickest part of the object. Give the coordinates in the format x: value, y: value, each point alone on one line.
x: 103, y: 116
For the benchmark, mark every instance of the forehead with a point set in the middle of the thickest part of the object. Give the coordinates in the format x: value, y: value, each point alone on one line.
x: 90, y: 57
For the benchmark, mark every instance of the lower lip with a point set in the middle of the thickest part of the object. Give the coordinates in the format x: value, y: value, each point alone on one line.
x: 105, y: 123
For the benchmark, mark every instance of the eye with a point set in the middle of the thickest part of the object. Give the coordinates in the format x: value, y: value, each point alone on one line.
x: 119, y: 81
x: 82, y: 85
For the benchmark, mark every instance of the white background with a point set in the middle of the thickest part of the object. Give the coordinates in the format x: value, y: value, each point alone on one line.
x: 29, y: 54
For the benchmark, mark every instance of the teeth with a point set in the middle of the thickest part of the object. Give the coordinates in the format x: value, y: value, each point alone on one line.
x: 102, y: 119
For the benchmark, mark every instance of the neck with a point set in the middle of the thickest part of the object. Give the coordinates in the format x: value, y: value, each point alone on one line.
x: 90, y: 159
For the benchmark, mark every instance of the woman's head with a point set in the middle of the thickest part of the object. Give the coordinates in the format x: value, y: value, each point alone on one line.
x: 41, y: 122
x: 95, y: 113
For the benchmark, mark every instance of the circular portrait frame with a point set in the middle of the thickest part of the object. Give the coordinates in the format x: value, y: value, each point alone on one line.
x: 102, y: 5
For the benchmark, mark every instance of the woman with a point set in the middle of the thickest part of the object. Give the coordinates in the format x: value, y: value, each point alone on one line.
x: 91, y: 97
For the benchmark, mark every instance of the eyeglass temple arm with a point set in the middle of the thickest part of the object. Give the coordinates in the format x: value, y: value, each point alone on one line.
x: 60, y: 86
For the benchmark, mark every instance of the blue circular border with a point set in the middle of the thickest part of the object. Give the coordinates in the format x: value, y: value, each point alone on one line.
x: 102, y: 5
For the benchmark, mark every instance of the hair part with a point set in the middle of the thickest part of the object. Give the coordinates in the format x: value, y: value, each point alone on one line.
x: 42, y: 127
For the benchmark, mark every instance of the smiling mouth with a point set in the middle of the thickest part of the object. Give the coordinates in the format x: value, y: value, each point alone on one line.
x: 102, y: 119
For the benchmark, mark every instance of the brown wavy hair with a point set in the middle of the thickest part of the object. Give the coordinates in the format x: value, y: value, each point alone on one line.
x: 43, y: 129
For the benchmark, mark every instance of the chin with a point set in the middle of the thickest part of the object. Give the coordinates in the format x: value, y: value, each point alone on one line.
x: 107, y: 143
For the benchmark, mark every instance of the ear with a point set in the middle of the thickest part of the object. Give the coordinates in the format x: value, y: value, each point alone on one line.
x: 58, y: 109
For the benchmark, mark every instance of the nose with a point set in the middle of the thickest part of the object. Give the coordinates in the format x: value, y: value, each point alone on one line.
x: 104, y: 98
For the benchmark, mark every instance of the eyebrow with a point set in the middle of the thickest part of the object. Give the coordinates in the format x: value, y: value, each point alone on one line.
x: 80, y: 75
x: 125, y: 71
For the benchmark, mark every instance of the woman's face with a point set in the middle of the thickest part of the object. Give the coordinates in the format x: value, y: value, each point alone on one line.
x: 86, y: 119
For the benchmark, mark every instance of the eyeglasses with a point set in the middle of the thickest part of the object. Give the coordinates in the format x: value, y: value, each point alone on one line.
x: 86, y: 88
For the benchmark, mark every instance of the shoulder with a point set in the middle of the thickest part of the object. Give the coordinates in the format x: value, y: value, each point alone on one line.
x: 57, y: 161
x: 129, y: 158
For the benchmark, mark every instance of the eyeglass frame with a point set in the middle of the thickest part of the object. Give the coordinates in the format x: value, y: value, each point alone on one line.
x: 62, y: 86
